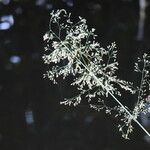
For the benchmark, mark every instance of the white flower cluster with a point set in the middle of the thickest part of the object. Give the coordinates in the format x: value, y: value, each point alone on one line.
x: 73, y: 50
x: 142, y: 93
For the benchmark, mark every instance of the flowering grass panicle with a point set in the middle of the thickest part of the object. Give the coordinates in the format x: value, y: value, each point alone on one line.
x: 72, y: 49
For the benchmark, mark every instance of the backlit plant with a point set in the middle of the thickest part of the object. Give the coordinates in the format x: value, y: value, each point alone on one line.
x: 72, y: 49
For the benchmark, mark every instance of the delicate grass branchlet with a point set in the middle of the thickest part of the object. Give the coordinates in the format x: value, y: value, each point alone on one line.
x: 72, y: 49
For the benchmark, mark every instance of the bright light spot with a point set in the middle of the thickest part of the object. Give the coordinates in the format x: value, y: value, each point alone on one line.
x: 5, y: 2
x: 4, y: 26
x: 7, y: 18
x: 29, y: 117
x: 40, y: 2
x: 6, y: 22
x: 15, y: 59
x: 145, y: 118
x: 70, y: 3
x: 49, y: 6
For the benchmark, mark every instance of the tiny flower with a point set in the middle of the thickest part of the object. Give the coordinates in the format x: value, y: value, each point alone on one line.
x: 46, y: 36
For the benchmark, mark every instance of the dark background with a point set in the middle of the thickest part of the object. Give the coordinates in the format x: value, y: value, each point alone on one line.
x: 24, y: 94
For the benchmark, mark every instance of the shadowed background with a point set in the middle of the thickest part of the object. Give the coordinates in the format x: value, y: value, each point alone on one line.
x: 31, y: 117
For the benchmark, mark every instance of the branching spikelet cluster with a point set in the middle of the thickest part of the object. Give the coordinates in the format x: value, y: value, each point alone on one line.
x: 72, y: 49
x: 142, y: 67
